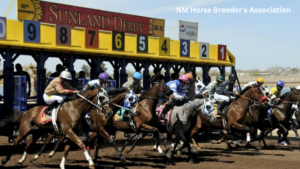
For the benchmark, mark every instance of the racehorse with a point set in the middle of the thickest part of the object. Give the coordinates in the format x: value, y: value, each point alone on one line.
x: 70, y: 114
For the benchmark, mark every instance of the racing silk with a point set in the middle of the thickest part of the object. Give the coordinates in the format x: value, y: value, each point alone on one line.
x: 211, y: 87
x: 127, y: 103
x: 56, y: 87
x: 94, y: 83
x: 178, y: 91
x: 135, y: 87
x: 225, y: 88
x: 274, y: 93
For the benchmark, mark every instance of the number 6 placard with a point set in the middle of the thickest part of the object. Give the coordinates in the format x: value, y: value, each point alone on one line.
x: 222, y: 52
x: 118, y: 39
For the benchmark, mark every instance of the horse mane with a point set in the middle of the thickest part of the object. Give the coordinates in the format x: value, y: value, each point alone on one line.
x: 245, y: 90
x: 144, y: 95
x: 192, y: 89
x: 285, y: 94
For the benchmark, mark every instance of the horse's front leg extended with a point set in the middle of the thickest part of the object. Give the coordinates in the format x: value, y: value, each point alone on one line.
x: 35, y: 136
x: 239, y: 126
x: 61, y: 139
x: 49, y: 138
x: 136, y: 141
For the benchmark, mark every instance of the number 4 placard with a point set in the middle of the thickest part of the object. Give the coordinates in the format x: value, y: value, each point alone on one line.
x: 164, y: 46
x: 222, y: 52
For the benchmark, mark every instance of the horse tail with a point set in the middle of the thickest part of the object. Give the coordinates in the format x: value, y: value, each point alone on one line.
x: 10, y: 120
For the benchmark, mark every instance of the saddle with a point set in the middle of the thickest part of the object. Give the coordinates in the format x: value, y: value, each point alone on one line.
x: 45, y: 118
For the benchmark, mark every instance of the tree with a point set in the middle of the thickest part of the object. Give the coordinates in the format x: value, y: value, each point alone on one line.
x: 48, y: 74
x: 32, y: 71
x: 86, y: 68
x: 255, y: 72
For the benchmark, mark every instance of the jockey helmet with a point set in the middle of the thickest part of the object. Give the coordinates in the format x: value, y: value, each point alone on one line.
x: 103, y: 77
x: 66, y: 75
x: 137, y: 76
x: 232, y: 77
x: 189, y: 75
x: 220, y: 78
x: 280, y: 83
x: 184, y: 78
x: 260, y: 80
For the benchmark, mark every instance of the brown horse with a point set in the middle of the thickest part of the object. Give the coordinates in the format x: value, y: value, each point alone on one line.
x: 69, y: 116
x: 99, y: 121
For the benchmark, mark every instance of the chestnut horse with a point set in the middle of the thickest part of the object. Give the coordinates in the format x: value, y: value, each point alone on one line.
x: 69, y: 116
x: 99, y: 121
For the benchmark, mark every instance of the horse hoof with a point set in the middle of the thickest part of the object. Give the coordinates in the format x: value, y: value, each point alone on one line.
x: 51, y: 154
x: 4, y: 161
x: 123, y: 160
x: 36, y: 157
x: 179, y: 153
x: 162, y: 154
x: 169, y: 155
x: 192, y: 161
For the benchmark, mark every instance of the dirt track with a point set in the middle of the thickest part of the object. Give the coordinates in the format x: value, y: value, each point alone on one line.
x: 211, y: 156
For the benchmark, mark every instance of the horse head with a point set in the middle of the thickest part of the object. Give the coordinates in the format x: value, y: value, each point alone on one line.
x: 254, y: 93
x: 294, y: 94
x: 103, y: 102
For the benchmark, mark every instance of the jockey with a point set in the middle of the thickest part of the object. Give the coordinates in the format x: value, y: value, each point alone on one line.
x: 134, y: 90
x: 179, y: 92
x: 211, y: 87
x: 200, y: 88
x: 259, y: 82
x: 224, y: 91
x: 55, y: 93
x: 276, y: 91
x: 101, y: 82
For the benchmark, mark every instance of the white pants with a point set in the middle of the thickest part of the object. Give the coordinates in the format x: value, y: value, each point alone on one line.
x: 221, y: 98
x: 51, y: 98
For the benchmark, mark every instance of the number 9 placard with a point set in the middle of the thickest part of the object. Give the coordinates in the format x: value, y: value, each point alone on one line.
x: 2, y: 28
x: 63, y: 35
x: 118, y: 39
x: 164, y: 46
x: 221, y: 52
x: 184, y: 48
x: 32, y: 31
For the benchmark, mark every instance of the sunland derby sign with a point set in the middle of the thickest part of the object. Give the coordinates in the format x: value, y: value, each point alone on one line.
x: 55, y: 13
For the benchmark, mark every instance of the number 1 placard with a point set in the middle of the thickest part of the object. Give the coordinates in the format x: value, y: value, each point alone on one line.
x: 32, y: 31
x: 92, y: 38
x: 222, y: 52
x: 63, y: 35
x: 2, y: 28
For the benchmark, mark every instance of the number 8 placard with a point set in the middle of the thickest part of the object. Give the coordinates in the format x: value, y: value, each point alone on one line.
x: 63, y: 35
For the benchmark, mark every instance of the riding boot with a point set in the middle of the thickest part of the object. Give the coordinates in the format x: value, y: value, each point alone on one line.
x: 51, y: 106
x: 220, y: 109
x: 165, y: 110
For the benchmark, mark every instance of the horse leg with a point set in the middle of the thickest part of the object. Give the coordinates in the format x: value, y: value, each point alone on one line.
x: 35, y: 136
x: 73, y: 137
x: 127, y: 141
x: 56, y: 146
x: 239, y: 126
x: 49, y: 138
x: 92, y: 138
x: 195, y: 144
x: 66, y: 152
x: 296, y: 133
x: 136, y: 141
x: 222, y: 139
x: 104, y: 134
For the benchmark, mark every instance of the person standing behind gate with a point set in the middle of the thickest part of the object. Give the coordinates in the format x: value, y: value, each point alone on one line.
x: 21, y: 72
x: 55, y: 93
x: 59, y: 69
x: 224, y: 91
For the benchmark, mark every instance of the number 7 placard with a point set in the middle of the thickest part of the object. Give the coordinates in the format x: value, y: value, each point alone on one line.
x: 92, y: 38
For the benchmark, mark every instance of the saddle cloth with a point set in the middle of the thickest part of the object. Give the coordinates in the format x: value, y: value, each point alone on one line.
x: 158, y: 113
x: 44, y: 118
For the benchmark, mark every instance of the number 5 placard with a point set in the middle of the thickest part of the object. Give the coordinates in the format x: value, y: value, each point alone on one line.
x: 222, y: 52
x: 164, y: 46
x: 142, y: 43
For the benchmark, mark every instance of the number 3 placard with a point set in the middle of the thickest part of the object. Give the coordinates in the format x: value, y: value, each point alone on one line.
x: 184, y: 48
x: 63, y: 35
x: 222, y: 52
x: 92, y: 38
x: 32, y: 31
x: 164, y: 46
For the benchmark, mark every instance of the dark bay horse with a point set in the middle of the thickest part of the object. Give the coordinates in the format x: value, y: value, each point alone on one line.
x: 70, y: 114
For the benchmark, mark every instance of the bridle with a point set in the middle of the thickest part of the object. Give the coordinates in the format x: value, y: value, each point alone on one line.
x: 256, y: 95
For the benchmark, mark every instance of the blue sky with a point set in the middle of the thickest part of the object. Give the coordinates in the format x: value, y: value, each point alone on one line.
x: 257, y: 40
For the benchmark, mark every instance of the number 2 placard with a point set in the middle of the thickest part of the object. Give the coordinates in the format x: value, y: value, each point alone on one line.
x: 32, y: 31
x: 63, y: 35
x: 92, y: 38
x: 204, y: 50
x: 222, y: 52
